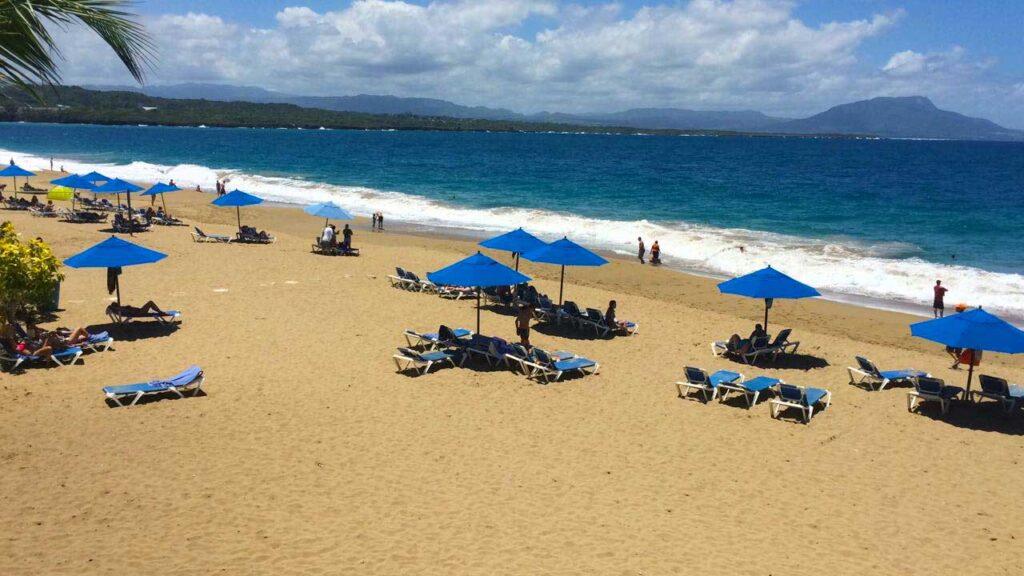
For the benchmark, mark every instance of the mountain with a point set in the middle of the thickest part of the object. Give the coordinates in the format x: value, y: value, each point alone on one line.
x: 671, y: 118
x: 904, y: 117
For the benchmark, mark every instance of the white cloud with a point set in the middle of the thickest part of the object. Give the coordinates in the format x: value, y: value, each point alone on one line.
x: 701, y: 54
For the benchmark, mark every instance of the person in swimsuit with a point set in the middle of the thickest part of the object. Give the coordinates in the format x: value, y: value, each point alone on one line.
x: 938, y: 306
x: 523, y: 324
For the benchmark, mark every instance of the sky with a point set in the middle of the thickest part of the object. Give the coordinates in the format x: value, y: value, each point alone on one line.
x: 782, y: 57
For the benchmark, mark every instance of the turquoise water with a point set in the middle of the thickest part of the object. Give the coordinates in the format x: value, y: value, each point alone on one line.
x: 879, y: 218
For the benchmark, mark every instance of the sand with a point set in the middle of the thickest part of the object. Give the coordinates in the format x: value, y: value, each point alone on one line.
x: 310, y: 455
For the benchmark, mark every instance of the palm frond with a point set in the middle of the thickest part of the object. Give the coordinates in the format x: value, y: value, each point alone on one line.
x: 29, y: 54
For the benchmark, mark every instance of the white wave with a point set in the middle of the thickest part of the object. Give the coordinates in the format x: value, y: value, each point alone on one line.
x: 888, y: 273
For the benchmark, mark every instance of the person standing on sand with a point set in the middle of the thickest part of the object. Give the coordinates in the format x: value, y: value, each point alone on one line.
x: 346, y: 234
x: 938, y: 306
x: 523, y: 324
x: 655, y: 253
x: 380, y: 221
x: 642, y: 250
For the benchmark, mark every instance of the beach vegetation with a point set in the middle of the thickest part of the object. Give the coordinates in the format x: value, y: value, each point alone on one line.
x: 29, y: 274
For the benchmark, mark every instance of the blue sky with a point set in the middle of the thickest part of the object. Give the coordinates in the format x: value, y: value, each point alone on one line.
x: 780, y: 56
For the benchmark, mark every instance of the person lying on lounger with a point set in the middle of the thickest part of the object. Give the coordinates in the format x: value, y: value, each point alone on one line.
x: 44, y: 348
x: 65, y: 336
x: 147, y: 309
x: 742, y: 346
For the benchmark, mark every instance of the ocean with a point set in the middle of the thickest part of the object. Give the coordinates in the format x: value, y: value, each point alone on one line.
x: 877, y: 221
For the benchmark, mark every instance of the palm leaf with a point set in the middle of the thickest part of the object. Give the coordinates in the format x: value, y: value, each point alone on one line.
x: 28, y: 52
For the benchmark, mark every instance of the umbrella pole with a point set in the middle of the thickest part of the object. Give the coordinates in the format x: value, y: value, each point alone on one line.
x: 238, y: 213
x: 15, y: 185
x: 164, y: 202
x: 517, y: 261
x: 561, y: 286
x: 131, y: 217
x: 478, y: 309
x: 766, y: 315
x: 117, y: 287
x: 970, y: 373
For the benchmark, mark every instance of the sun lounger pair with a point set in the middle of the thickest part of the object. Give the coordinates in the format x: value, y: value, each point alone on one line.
x: 422, y: 362
x: 99, y: 342
x: 722, y: 382
x: 760, y: 347
x: 166, y: 220
x: 1010, y: 396
x: 128, y: 395
x: 249, y: 235
x: 81, y: 216
x: 445, y: 337
x: 549, y: 367
x: 868, y: 375
x: 62, y: 358
x: 409, y: 281
x: 122, y: 316
x: 200, y: 236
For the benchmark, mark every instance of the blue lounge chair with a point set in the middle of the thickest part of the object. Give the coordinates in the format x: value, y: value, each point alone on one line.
x: 803, y: 399
x: 191, y: 377
x: 15, y: 359
x: 759, y: 346
x: 444, y: 337
x: 601, y: 326
x: 422, y: 362
x: 200, y: 236
x: 1010, y: 396
x: 868, y: 375
x: 479, y: 345
x: 933, y: 389
x: 119, y: 315
x: 549, y: 369
x: 699, y: 380
x: 751, y: 389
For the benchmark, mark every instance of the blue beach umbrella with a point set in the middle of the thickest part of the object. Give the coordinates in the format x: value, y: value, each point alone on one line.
x: 95, y: 177
x: 14, y: 171
x: 75, y: 182
x: 479, y: 271
x: 160, y: 188
x: 972, y: 330
x: 114, y: 254
x: 237, y: 198
x: 327, y: 211
x: 767, y: 283
x: 117, y: 186
x: 564, y: 252
x: 517, y: 241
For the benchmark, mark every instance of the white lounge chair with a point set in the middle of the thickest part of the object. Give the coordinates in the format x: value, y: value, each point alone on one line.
x: 803, y: 399
x: 190, y: 378
x: 706, y: 385
x: 869, y: 376
x: 200, y: 236
x: 421, y: 362
x: 934, y: 390
x: 1008, y: 395
x: 751, y: 389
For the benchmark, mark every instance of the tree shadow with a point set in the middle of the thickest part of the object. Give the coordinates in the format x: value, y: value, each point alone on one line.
x: 983, y: 417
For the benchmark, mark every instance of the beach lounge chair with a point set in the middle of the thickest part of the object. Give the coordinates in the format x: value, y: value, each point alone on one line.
x: 751, y: 389
x: 249, y: 235
x: 401, y: 280
x: 935, y: 390
x: 444, y: 337
x: 14, y: 359
x: 601, y: 326
x: 548, y: 369
x: 803, y: 399
x: 200, y: 236
x: 99, y: 342
x: 706, y: 385
x: 781, y: 345
x: 30, y: 188
x: 518, y: 356
x: 421, y: 285
x: 422, y: 362
x: 119, y: 315
x: 479, y: 345
x: 571, y: 312
x: 129, y: 394
x: 166, y: 220
x: 1009, y: 395
x: 868, y: 375
x: 455, y: 292
x: 759, y: 346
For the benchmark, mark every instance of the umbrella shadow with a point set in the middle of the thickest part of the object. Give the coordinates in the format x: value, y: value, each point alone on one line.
x: 135, y: 330
x: 983, y: 417
x: 498, y: 309
x: 570, y: 332
x: 803, y: 362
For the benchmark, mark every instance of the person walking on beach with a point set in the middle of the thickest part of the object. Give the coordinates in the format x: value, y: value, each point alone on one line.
x: 523, y: 324
x: 938, y: 307
x: 380, y: 221
x: 642, y: 250
x: 373, y: 221
x: 655, y: 253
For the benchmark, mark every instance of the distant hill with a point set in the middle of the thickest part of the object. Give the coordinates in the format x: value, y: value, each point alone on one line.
x: 906, y: 117
x: 645, y: 118
x: 671, y: 118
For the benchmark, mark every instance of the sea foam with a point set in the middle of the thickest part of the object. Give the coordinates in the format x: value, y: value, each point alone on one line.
x: 887, y: 275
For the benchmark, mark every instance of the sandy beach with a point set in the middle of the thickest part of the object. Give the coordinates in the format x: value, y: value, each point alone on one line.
x: 309, y: 454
